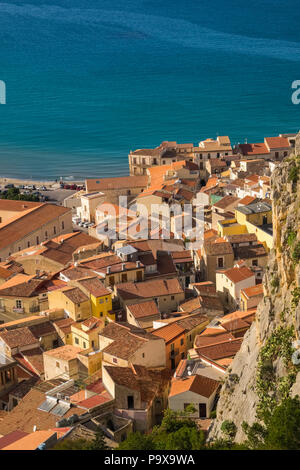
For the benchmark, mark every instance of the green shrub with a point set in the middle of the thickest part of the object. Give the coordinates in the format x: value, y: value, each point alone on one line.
x: 291, y: 238
x: 293, y: 174
x: 229, y: 429
x: 296, y: 252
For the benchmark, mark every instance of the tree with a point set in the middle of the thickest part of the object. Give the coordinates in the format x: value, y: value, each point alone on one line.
x: 98, y: 443
x: 14, y: 194
x: 137, y: 441
x: 229, y: 429
x: 176, y: 432
x: 283, y: 430
x: 69, y: 444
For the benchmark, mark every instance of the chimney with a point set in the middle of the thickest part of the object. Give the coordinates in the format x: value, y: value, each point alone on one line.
x: 108, y: 270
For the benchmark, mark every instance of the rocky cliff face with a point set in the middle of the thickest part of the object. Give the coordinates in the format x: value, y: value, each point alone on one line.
x: 265, y: 369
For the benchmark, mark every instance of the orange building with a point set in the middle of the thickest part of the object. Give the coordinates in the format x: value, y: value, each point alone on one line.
x: 174, y: 337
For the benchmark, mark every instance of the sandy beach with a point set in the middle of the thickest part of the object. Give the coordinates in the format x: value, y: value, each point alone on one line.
x: 48, y: 184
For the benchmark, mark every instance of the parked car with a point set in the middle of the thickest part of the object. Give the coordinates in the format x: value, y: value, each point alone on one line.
x: 9, y: 186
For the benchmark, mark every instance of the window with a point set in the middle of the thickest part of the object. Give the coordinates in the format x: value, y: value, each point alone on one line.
x: 93, y: 344
x: 182, y: 355
x: 111, y: 280
x: 63, y: 225
x: 101, y: 301
x: 76, y: 341
x: 172, y: 297
x: 124, y: 277
x: 254, y: 262
x: 181, y: 341
x: 130, y: 402
x: 220, y: 263
x: 84, y: 344
x: 19, y: 303
x: 143, y: 355
x: 28, y: 244
x: 37, y: 240
x: 172, y: 347
x: 57, y: 364
x: 46, y: 234
x: 54, y: 230
x: 106, y: 299
x: 154, y: 161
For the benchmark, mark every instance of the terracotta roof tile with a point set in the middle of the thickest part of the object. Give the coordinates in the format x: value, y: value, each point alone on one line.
x: 169, y: 332
x: 198, y: 384
x: 143, y: 309
x: 238, y: 274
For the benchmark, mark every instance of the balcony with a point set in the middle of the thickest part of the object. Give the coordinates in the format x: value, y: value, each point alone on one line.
x: 18, y: 310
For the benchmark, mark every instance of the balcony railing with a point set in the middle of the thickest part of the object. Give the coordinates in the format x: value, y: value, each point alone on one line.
x: 18, y: 310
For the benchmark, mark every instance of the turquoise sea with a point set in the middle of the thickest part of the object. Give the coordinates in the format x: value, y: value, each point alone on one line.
x: 89, y: 80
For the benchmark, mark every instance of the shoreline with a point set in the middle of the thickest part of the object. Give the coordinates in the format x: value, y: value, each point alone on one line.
x: 48, y: 183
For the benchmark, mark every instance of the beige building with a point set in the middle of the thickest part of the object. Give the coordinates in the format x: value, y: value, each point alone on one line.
x: 196, y: 384
x: 211, y: 148
x: 113, y: 270
x: 61, y: 362
x: 167, y: 293
x: 73, y: 301
x: 71, y: 362
x: 230, y: 282
x: 140, y: 394
x: 122, y: 345
x: 113, y: 188
x: 31, y: 225
x: 217, y: 255
x: 142, y: 314
x: 88, y: 205
x: 166, y: 153
x: 55, y: 254
x: 85, y: 334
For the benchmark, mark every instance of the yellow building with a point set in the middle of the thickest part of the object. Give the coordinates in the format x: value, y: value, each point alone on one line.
x: 257, y: 218
x: 73, y: 301
x: 230, y: 227
x: 86, y: 334
x: 99, y: 295
x: 254, y: 218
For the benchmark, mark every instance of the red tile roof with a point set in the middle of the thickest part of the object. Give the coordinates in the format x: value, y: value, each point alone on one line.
x: 203, y: 386
x: 238, y: 274
x: 277, y: 142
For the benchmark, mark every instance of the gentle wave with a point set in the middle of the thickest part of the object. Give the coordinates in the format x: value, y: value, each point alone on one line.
x: 177, y: 31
